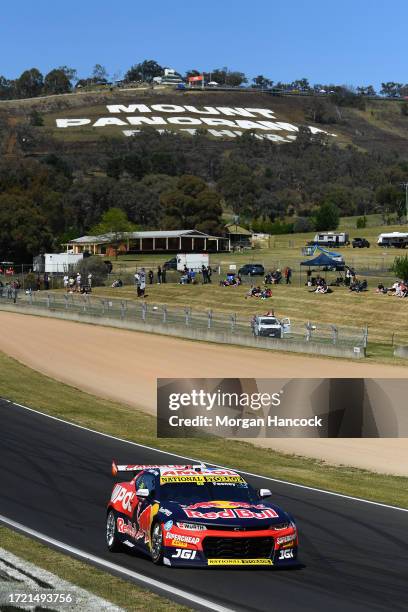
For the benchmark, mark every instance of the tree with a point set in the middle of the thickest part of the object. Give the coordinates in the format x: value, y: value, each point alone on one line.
x: 366, y: 90
x: 303, y: 224
x: 70, y: 73
x: 391, y: 199
x: 93, y: 265
x: 114, y: 221
x: 99, y: 74
x: 239, y: 187
x: 262, y: 82
x: 191, y: 205
x: 30, y: 83
x: 235, y: 79
x: 301, y: 85
x: 56, y: 82
x: 327, y: 217
x: 25, y: 232
x: 6, y: 88
x: 391, y: 89
x: 144, y: 71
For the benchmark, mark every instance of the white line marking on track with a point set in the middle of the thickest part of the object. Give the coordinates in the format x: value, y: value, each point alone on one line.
x: 141, y: 578
x: 158, y: 450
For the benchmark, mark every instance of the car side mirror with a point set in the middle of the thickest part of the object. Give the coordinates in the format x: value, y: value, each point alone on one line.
x: 264, y: 493
x: 142, y: 493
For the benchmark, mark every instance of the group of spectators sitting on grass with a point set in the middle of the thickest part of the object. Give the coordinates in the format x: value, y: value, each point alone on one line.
x: 257, y: 292
x: 232, y: 280
x: 273, y: 278
x: 398, y: 289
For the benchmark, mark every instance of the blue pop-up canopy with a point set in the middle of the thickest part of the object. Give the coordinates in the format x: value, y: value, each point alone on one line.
x: 320, y: 260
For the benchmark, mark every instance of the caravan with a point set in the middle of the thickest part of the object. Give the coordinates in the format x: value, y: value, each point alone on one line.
x: 398, y: 240
x: 331, y: 239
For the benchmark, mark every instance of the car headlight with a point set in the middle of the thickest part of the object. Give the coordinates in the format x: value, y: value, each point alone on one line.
x: 191, y: 526
x: 280, y: 526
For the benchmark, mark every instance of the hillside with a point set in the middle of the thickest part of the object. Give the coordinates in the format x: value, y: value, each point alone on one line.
x: 195, y: 159
x: 380, y: 127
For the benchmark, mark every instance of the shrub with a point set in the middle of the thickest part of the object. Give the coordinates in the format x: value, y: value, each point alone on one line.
x: 361, y: 222
x: 95, y: 266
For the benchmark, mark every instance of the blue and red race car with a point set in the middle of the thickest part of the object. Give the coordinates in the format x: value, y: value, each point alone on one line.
x: 198, y: 516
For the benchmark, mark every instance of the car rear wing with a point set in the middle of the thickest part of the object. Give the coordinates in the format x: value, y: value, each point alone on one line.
x: 135, y: 468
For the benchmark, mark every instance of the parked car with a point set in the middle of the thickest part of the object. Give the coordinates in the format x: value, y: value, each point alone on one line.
x: 360, y: 243
x: 252, y: 270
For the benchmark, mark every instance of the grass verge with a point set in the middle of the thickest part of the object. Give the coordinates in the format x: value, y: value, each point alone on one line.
x: 23, y: 385
x: 120, y: 592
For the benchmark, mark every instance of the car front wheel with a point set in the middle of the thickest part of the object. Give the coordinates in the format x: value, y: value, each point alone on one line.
x: 157, y: 544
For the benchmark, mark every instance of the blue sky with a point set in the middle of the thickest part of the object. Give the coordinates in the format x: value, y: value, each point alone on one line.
x: 341, y: 41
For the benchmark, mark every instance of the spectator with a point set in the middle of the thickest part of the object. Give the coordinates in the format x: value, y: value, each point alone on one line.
x: 90, y: 280
x: 209, y: 273
x: 38, y: 283
x: 46, y: 281
x: 159, y: 275
x: 14, y: 291
x: 151, y: 276
x: 137, y: 283
x: 65, y: 280
x: 78, y: 281
x: 288, y: 275
x: 142, y: 286
x: 205, y: 274
x: 164, y: 271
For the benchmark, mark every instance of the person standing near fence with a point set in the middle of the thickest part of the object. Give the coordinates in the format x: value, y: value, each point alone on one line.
x: 164, y: 272
x: 78, y: 281
x: 209, y: 274
x: 66, y: 279
x: 137, y: 283
x: 159, y: 275
x: 151, y: 276
x: 90, y: 280
x: 46, y: 281
x: 288, y: 275
x: 14, y: 291
x: 142, y: 286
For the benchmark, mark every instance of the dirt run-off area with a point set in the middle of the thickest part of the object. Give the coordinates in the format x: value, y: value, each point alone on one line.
x: 124, y: 365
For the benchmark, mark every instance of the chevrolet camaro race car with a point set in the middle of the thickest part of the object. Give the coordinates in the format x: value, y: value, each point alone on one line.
x: 198, y: 516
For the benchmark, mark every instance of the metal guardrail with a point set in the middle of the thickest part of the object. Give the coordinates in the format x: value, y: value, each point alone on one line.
x: 161, y: 314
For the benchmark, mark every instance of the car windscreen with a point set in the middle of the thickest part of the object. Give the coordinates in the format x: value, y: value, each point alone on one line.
x: 269, y: 321
x: 222, y: 491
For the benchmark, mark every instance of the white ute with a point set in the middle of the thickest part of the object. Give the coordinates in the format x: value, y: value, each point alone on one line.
x: 270, y: 326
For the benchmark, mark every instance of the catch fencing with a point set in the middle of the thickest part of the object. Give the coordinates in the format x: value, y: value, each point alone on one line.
x: 233, y: 328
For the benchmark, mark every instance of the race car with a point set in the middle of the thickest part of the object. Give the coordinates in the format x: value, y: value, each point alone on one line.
x: 198, y: 516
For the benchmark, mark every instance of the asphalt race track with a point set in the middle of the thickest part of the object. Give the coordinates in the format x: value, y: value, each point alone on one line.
x: 55, y: 478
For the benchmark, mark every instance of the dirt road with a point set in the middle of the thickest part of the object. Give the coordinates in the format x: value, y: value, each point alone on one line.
x: 123, y: 365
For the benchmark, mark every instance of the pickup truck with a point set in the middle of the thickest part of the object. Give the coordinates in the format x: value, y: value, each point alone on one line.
x: 270, y: 326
